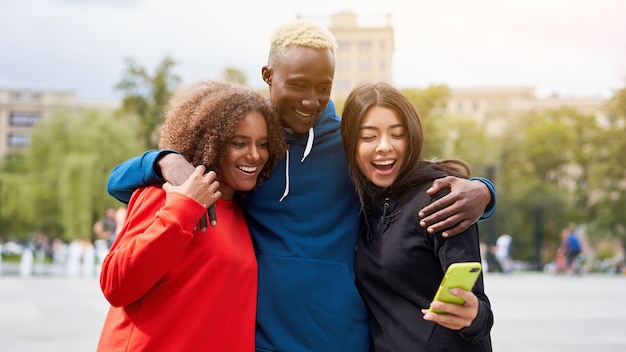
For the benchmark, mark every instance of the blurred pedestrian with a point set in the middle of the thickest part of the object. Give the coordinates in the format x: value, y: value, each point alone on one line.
x: 105, y: 228
x: 502, y: 252
x: 572, y: 248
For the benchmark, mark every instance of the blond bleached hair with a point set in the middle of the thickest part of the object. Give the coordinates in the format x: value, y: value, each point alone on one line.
x: 301, y: 33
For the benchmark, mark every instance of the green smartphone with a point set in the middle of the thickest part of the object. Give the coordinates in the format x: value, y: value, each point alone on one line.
x: 458, y: 275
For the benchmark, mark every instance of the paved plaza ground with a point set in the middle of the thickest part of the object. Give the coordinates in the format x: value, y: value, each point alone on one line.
x: 534, y: 312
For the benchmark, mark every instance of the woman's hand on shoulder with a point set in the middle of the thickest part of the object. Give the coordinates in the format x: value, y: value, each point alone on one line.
x: 199, y: 186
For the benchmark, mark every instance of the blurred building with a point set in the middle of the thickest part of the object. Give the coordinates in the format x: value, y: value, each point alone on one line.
x: 492, y: 106
x: 363, y: 53
x: 22, y: 110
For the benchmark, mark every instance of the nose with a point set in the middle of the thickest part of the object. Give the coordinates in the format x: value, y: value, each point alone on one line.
x: 311, y: 101
x: 253, y: 154
x: 383, y: 145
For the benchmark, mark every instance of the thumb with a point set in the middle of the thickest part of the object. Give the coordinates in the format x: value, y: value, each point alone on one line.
x: 167, y: 186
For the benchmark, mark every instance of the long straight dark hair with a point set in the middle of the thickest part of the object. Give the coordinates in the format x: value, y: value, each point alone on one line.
x: 362, y: 98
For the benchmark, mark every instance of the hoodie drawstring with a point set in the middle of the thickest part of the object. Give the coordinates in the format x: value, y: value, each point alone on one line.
x: 307, y: 151
x: 309, y: 144
x: 386, y: 219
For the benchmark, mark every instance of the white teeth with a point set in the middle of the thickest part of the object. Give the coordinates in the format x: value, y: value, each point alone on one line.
x: 383, y: 163
x: 303, y: 114
x: 248, y: 168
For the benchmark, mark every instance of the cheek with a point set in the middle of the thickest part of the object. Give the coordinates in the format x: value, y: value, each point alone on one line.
x: 278, y: 95
x: 324, y: 100
x: 402, y: 149
x: 362, y: 157
x: 264, y: 154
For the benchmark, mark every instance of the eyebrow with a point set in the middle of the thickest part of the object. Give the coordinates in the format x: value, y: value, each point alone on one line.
x: 247, y: 137
x: 367, y: 127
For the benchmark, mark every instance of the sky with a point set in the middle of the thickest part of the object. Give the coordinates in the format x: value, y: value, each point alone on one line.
x: 572, y: 48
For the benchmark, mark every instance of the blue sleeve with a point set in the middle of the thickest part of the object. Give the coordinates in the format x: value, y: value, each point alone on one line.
x: 491, y: 208
x: 135, y: 173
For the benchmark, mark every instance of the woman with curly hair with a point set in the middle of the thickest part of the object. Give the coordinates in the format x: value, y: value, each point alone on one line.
x: 398, y: 265
x: 176, y: 287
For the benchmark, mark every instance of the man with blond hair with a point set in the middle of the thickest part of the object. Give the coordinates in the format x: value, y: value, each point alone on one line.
x: 305, y: 218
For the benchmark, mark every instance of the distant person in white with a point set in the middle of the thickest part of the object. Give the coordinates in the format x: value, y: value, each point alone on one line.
x: 503, y: 252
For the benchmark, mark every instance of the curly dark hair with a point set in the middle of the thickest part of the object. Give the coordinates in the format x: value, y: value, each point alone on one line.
x: 201, y: 119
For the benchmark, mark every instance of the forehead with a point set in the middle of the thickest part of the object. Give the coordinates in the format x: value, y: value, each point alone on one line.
x: 252, y: 124
x: 303, y: 61
x: 380, y: 117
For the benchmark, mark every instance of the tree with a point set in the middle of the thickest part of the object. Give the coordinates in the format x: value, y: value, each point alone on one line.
x: 147, y: 96
x: 59, y: 186
x: 234, y: 75
x: 609, y: 174
x: 430, y: 104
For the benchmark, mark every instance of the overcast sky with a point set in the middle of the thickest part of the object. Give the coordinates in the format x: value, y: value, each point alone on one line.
x: 568, y: 47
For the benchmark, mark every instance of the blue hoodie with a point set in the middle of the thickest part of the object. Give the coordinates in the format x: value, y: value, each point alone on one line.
x: 305, y: 223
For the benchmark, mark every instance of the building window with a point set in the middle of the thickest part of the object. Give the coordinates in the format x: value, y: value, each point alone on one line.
x: 343, y: 46
x: 343, y: 65
x: 365, y: 65
x: 365, y: 46
x: 18, y: 140
x: 21, y: 119
x: 342, y: 86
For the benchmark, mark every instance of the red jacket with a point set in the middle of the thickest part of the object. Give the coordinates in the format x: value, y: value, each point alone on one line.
x: 173, y: 288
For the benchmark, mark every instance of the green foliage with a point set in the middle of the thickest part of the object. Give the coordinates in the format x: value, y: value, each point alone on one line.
x: 59, y: 185
x: 231, y: 74
x: 430, y: 104
x: 552, y: 167
x: 146, y: 96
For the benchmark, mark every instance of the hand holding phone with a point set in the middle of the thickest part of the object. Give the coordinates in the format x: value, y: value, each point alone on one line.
x: 458, y: 275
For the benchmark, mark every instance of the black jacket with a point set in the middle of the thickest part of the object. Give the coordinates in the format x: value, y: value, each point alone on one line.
x: 399, y: 267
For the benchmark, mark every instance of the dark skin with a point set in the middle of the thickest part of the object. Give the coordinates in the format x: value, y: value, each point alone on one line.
x: 458, y: 210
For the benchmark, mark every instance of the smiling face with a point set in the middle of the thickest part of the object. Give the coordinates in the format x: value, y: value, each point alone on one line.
x: 246, y: 154
x: 382, y: 146
x: 300, y: 82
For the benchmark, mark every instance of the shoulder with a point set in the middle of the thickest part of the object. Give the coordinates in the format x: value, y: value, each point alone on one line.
x: 147, y: 197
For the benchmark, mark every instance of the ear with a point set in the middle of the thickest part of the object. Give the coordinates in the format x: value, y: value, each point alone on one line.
x: 266, y: 74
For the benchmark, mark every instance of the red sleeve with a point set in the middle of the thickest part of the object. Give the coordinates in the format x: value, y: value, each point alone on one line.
x: 156, y: 232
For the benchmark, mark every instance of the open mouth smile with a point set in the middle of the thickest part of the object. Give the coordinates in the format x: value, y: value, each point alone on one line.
x: 248, y: 169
